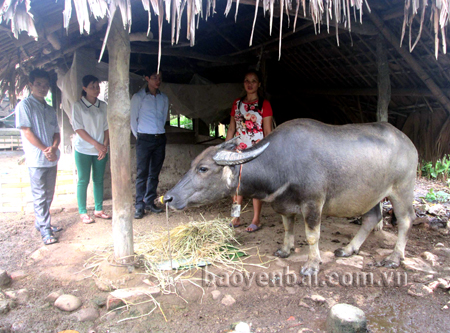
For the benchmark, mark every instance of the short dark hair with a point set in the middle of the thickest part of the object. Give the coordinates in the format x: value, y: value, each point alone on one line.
x: 38, y: 73
x: 86, y: 80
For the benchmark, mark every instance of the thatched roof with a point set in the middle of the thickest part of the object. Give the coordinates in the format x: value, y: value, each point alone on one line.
x: 325, y: 50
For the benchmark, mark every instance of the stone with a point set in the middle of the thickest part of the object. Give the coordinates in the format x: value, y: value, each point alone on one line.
x: 383, y: 252
x: 422, y: 278
x: 354, y: 261
x: 439, y: 245
x: 437, y: 210
x: 442, y: 251
x: 19, y: 326
x: 5, y: 279
x: 305, y: 330
x: 215, y: 294
x: 228, y: 300
x: 39, y: 253
x: 346, y: 318
x: 102, y: 285
x: 99, y: 301
x: 4, y: 306
x: 417, y: 265
x: 52, y: 297
x: 113, y: 303
x: 132, y: 295
x: 318, y: 298
x: 67, y: 302
x: 431, y: 258
x: 242, y: 327
x: 88, y: 314
x: 21, y: 296
x: 19, y: 275
x: 303, y: 305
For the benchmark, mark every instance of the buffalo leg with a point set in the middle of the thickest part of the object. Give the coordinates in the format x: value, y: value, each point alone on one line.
x: 285, y: 251
x: 312, y: 216
x: 369, y: 221
x: 404, y: 212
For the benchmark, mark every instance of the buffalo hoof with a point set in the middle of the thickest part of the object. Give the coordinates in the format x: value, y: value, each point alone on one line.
x: 281, y: 254
x: 389, y: 263
x: 309, y: 269
x: 341, y: 253
x: 392, y: 260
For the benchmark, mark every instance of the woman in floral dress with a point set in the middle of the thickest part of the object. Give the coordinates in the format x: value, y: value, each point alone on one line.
x: 251, y: 122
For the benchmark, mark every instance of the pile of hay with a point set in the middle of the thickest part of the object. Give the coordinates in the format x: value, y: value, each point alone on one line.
x: 192, y: 244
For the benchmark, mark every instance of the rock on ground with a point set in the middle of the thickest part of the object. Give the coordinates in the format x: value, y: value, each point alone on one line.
x: 346, y: 318
x: 21, y: 296
x: 5, y: 279
x: 89, y: 314
x: 52, y: 297
x: 215, y: 294
x: 68, y: 302
x: 417, y: 265
x: 228, y: 300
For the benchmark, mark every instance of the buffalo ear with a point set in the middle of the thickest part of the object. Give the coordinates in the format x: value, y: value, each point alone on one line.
x: 228, y: 145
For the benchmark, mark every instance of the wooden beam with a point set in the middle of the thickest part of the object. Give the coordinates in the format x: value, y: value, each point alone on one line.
x: 169, y: 51
x: 119, y: 132
x: 408, y: 92
x: 415, y: 66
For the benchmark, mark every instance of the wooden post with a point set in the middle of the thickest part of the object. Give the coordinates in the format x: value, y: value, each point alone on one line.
x: 384, y: 81
x: 119, y: 132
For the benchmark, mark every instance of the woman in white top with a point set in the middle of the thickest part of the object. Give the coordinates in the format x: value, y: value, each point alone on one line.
x: 89, y: 121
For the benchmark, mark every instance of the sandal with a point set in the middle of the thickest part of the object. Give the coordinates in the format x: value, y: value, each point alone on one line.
x: 49, y: 239
x: 52, y: 228
x: 86, y: 219
x: 253, y: 227
x: 102, y: 215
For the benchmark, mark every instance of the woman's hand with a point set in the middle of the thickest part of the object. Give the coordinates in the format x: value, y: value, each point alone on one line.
x: 101, y: 148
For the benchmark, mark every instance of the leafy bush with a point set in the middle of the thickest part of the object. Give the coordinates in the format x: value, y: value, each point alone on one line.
x: 439, y: 196
x: 440, y: 170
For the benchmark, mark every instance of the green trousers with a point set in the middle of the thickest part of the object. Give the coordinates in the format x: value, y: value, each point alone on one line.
x: 84, y: 164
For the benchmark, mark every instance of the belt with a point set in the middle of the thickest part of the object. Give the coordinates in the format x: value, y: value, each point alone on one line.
x: 151, y: 135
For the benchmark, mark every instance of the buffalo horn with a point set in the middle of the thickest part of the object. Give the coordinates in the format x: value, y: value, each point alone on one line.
x: 228, y: 157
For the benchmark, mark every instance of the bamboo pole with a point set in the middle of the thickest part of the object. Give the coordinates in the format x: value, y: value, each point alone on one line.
x: 119, y: 132
x: 383, y: 81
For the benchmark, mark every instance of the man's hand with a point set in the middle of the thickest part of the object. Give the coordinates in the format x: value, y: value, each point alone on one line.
x: 50, y: 153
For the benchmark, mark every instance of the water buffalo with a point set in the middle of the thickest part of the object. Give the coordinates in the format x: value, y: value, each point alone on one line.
x: 314, y: 169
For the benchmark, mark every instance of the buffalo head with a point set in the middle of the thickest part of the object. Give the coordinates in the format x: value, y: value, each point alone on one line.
x: 213, y: 175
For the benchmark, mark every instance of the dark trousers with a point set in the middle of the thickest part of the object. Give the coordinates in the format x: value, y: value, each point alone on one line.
x: 150, y: 154
x: 42, y: 181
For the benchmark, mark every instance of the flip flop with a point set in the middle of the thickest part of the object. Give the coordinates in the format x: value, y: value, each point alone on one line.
x: 253, y: 228
x: 49, y: 239
x: 86, y: 219
x: 102, y: 215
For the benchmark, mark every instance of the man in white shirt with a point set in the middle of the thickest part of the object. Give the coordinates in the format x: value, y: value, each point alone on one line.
x: 40, y: 137
x: 149, y: 113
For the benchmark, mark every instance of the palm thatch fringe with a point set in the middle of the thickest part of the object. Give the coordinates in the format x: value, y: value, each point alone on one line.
x: 439, y: 19
x: 17, y: 11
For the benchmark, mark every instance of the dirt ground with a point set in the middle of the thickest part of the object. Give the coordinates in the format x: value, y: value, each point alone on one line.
x: 405, y: 303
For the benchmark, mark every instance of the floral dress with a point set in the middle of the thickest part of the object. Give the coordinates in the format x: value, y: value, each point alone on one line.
x: 249, y: 121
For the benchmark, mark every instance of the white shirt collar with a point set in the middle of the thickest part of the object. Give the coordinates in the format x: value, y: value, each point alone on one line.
x: 88, y: 104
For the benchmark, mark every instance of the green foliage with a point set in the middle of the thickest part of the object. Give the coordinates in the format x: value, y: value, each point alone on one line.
x: 440, y: 170
x: 439, y: 196
x: 185, y: 122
